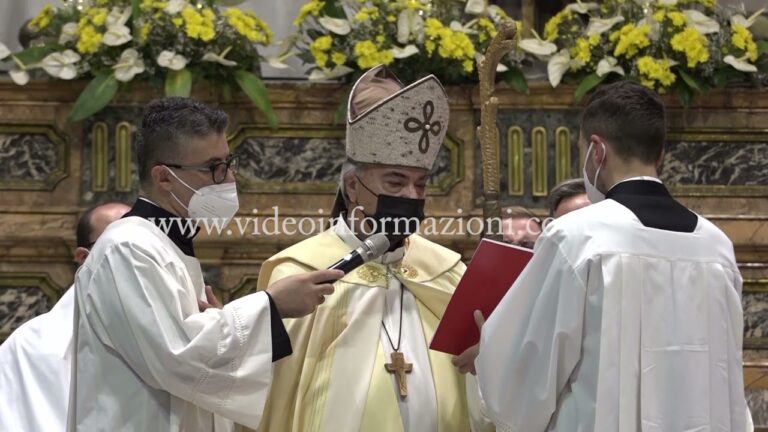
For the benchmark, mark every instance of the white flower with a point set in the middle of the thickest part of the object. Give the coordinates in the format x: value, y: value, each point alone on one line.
x: 582, y: 8
x: 19, y: 76
x: 476, y: 7
x: 702, y: 23
x: 740, y: 63
x: 466, y: 28
x: 494, y: 13
x: 558, y: 65
x: 117, y: 35
x: 171, y: 60
x: 739, y: 19
x: 409, y: 23
x: 277, y: 62
x: 404, y: 52
x: 129, y: 65
x: 608, y: 65
x: 335, y: 25
x: 219, y: 58
x: 117, y: 17
x: 602, y: 25
x: 537, y: 46
x: 501, y: 68
x: 68, y: 33
x: 325, y: 74
x: 4, y: 51
x: 175, y: 6
x: 61, y: 65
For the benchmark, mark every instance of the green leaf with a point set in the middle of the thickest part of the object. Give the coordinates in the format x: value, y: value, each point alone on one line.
x: 96, y: 96
x: 515, y: 78
x: 178, y: 83
x: 762, y: 47
x: 691, y: 81
x: 254, y: 88
x: 686, y: 95
x: 587, y: 84
x: 36, y: 54
x: 340, y: 117
x: 333, y: 10
x: 135, y: 13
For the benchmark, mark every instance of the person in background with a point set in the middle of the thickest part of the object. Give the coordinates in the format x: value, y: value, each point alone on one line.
x: 566, y: 197
x: 35, y: 359
x: 520, y: 226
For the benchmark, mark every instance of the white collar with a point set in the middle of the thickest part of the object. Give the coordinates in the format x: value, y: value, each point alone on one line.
x: 645, y: 178
x: 347, y: 236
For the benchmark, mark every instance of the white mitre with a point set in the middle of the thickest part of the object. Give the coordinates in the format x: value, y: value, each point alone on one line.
x: 402, y: 129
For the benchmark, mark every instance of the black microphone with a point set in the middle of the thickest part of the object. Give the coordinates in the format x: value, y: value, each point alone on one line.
x: 372, y: 248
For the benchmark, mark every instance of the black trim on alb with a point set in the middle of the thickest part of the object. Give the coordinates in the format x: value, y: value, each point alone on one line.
x: 652, y: 203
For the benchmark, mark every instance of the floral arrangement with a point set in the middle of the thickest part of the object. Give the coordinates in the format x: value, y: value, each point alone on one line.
x: 172, y: 43
x: 684, y: 46
x: 413, y: 37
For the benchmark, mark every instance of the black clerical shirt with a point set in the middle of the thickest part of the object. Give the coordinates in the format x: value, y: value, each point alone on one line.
x: 143, y: 208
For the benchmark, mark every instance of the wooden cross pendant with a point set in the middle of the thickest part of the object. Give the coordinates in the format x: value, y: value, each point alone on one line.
x: 399, y: 367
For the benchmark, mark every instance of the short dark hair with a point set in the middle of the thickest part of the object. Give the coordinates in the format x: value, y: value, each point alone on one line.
x: 167, y: 124
x: 567, y: 189
x: 518, y: 212
x: 629, y: 116
x: 84, y: 230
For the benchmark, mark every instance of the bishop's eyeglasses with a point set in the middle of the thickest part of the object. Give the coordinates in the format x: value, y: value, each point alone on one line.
x: 218, y: 170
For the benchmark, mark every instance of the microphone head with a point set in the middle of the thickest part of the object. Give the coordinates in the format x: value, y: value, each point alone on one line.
x: 374, y: 247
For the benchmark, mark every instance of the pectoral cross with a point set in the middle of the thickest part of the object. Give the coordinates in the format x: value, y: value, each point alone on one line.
x: 399, y: 367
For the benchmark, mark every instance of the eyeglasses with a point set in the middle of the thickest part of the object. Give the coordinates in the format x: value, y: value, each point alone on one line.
x: 218, y: 170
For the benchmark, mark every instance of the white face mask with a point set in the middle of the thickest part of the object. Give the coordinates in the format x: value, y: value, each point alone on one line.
x: 594, y: 195
x: 217, y: 201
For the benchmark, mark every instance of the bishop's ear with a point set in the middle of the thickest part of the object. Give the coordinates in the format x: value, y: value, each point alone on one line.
x: 350, y: 188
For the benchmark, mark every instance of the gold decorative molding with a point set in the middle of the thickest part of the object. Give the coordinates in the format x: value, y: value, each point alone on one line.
x: 123, y: 147
x: 247, y: 131
x: 539, y: 172
x: 562, y: 154
x: 99, y: 157
x: 35, y: 280
x: 515, y: 157
x: 720, y: 135
x: 755, y: 286
x: 61, y: 145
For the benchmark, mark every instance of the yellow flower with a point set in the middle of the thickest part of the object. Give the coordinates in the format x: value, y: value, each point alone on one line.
x: 468, y: 65
x: 199, y: 25
x: 659, y: 15
x: 678, y: 19
x: 430, y: 46
x: 391, y: 18
x: 323, y: 43
x: 594, y: 39
x: 551, y: 28
x: 367, y: 13
x: 144, y: 31
x: 89, y: 40
x: 487, y: 29
x: 312, y: 8
x: 98, y: 15
x: 338, y: 58
x: 177, y: 21
x: 693, y: 44
x: 368, y: 55
x: 432, y: 27
x: 42, y: 19
x: 630, y: 40
x: 248, y: 25
x: 582, y: 50
x: 455, y: 45
x: 380, y: 39
x: 653, y: 70
x: 742, y: 39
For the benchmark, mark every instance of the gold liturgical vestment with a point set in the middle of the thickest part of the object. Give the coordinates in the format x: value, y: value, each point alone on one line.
x: 336, y: 379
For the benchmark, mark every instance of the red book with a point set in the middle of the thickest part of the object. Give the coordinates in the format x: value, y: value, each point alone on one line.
x: 494, y: 268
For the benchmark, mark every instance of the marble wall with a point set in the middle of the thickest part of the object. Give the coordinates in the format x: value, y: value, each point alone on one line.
x: 18, y: 304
